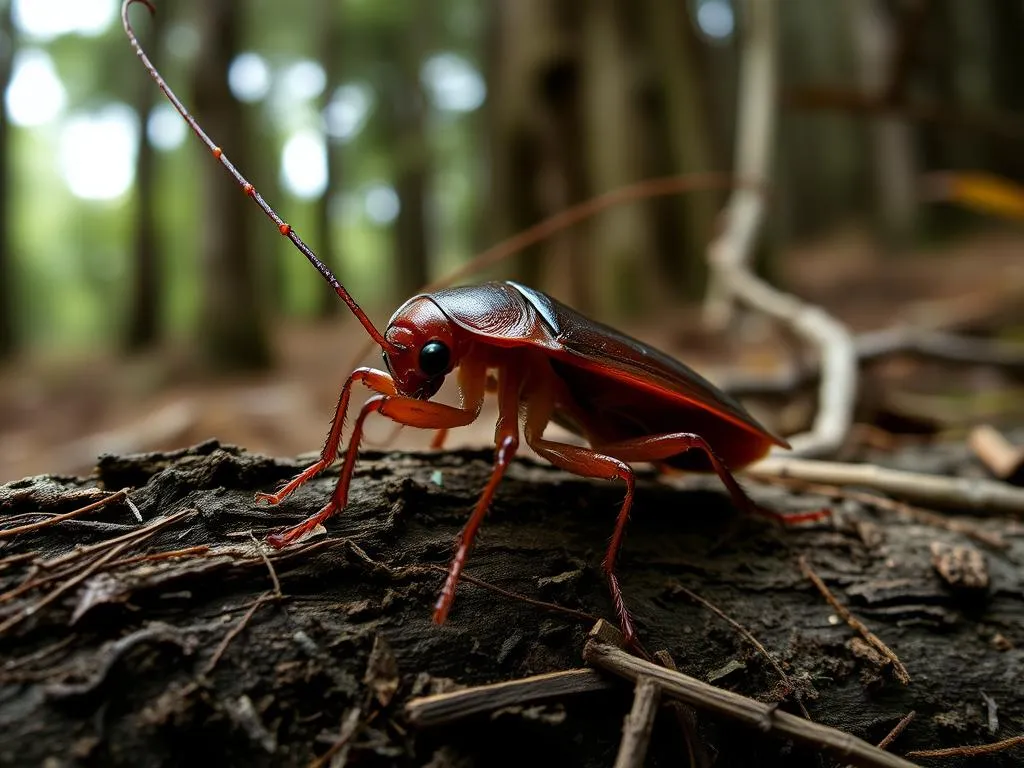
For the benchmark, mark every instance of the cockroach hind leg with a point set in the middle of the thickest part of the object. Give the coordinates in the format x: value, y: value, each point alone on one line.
x: 792, y: 518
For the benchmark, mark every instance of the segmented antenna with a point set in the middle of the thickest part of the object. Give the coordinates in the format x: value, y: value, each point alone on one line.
x: 282, y: 227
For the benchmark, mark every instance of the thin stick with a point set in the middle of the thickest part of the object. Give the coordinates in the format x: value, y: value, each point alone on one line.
x: 139, y: 536
x: 916, y: 487
x: 235, y: 631
x: 924, y: 516
x: 348, y: 729
x: 116, y: 496
x: 898, y: 729
x: 443, y: 708
x: 200, y: 549
x: 763, y: 717
x: 894, y: 734
x: 636, y: 730
x: 729, y: 255
x: 856, y: 624
x: 22, y: 557
x: 580, y: 615
x: 270, y: 566
x: 749, y: 637
x: 686, y: 716
x: 969, y: 751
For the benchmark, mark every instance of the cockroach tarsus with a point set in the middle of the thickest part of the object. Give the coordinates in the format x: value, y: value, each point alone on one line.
x: 546, y: 363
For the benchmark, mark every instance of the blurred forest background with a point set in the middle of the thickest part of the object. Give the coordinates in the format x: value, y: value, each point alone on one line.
x: 146, y: 303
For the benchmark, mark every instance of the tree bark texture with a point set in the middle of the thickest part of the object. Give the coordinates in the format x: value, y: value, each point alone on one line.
x: 154, y: 660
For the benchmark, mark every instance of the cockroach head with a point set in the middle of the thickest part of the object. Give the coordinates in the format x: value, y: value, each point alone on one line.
x: 423, y: 348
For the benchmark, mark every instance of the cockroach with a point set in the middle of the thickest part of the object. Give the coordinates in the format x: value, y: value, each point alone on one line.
x: 546, y: 363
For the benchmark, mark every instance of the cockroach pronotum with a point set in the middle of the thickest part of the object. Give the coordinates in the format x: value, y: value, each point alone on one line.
x: 546, y: 363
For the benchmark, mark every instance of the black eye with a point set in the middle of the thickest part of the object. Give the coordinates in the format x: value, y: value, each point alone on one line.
x: 434, y: 358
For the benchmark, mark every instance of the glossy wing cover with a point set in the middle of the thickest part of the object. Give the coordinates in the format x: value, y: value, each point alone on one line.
x: 621, y: 388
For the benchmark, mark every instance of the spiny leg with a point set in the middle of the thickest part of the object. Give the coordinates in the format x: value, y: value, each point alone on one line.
x: 377, y: 381
x: 409, y: 411
x: 654, y: 448
x: 506, y: 438
x: 589, y: 463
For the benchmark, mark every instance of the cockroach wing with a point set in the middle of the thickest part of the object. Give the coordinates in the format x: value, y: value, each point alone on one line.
x: 629, y: 389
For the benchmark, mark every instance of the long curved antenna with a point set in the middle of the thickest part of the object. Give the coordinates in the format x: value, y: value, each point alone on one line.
x: 282, y: 227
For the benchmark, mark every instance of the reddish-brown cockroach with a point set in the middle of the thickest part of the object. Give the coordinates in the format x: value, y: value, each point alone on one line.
x: 545, y: 362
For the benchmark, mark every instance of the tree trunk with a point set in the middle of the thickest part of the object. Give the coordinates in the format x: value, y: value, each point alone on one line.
x: 331, y: 42
x: 151, y: 660
x: 8, y: 311
x: 680, y: 126
x: 147, y: 293
x: 538, y: 158
x: 232, y: 334
x: 406, y: 105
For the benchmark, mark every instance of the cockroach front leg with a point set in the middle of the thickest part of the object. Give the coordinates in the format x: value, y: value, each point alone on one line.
x: 376, y: 381
x: 403, y: 410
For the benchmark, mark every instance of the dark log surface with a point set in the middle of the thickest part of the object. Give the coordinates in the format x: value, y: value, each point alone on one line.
x: 116, y: 669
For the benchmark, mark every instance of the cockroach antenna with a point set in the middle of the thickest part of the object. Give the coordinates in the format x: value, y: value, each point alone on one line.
x: 283, y: 227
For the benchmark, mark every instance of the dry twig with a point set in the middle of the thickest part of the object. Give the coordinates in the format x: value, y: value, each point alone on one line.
x: 856, y: 624
x: 636, y: 730
x: 899, y: 728
x: 116, y: 496
x: 270, y: 566
x: 969, y: 751
x: 764, y: 717
x: 917, y: 487
x: 749, y: 637
x: 997, y: 453
x: 126, y: 541
x: 448, y: 707
x: 991, y: 539
x: 236, y: 630
x: 729, y: 254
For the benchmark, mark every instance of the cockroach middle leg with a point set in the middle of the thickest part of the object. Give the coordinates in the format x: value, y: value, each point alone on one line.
x: 506, y: 439
x: 586, y: 462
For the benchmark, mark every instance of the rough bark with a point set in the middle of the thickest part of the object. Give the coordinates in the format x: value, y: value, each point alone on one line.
x: 116, y: 671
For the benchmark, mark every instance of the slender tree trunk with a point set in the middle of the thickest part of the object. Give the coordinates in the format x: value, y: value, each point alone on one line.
x: 884, y: 63
x: 406, y: 105
x: 8, y: 336
x: 232, y: 335
x: 622, y: 251
x: 539, y: 163
x: 143, y: 329
x: 330, y: 57
x: 681, y: 141
x: 1005, y: 68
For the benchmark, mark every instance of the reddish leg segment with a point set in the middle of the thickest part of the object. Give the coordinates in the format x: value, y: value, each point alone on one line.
x: 656, y: 448
x: 403, y: 410
x: 507, y: 439
x: 379, y: 382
